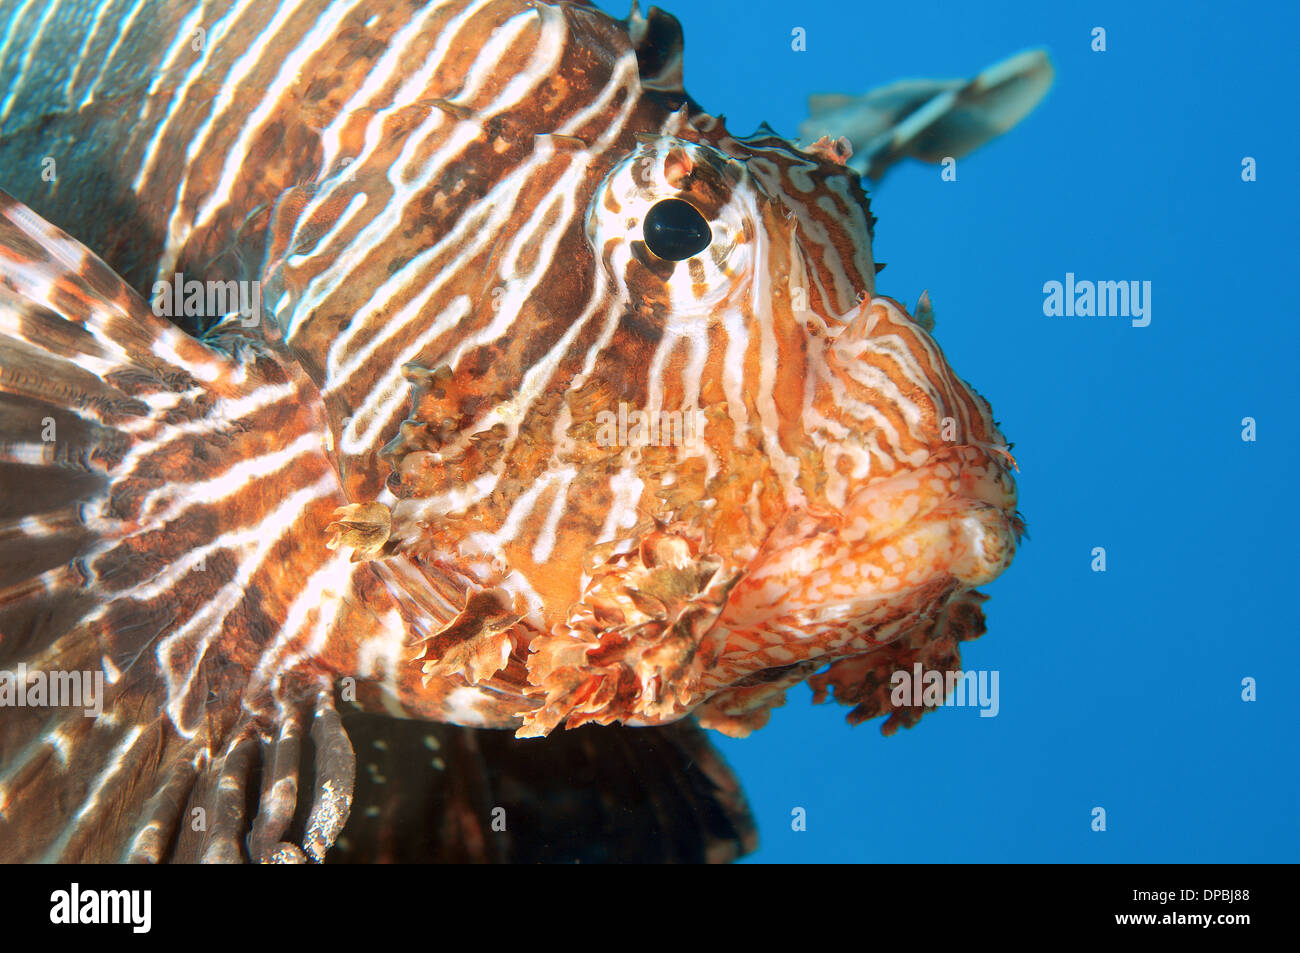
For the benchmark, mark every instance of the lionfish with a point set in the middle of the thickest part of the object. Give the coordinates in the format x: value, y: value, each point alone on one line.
x: 494, y: 255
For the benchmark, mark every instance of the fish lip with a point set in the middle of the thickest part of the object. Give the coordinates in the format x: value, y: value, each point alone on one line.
x: 968, y: 532
x: 981, y: 472
x: 979, y: 503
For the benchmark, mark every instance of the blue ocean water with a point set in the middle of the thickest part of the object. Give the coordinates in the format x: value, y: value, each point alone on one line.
x: 1122, y: 689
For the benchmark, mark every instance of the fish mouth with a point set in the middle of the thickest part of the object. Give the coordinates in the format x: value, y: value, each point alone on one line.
x: 966, y: 495
x: 863, y: 582
x: 850, y: 577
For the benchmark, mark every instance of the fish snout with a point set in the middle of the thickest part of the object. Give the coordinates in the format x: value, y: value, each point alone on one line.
x: 954, y: 516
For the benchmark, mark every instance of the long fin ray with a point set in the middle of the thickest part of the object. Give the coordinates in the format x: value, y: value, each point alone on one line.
x: 165, y: 500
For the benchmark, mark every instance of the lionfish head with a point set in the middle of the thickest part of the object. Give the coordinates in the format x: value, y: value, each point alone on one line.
x: 658, y: 424
x: 834, y: 487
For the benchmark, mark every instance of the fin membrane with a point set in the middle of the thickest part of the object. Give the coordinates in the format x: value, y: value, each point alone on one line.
x: 596, y: 794
x: 162, y: 503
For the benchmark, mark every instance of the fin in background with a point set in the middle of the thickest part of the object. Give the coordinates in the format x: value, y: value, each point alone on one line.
x: 930, y: 119
x: 595, y: 794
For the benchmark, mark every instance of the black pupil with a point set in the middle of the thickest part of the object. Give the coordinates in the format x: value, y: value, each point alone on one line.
x: 675, y: 230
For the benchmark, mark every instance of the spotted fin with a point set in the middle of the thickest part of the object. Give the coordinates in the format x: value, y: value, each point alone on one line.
x: 163, y: 504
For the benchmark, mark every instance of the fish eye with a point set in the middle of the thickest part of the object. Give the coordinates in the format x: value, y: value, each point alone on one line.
x: 673, y: 223
x: 675, y: 230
